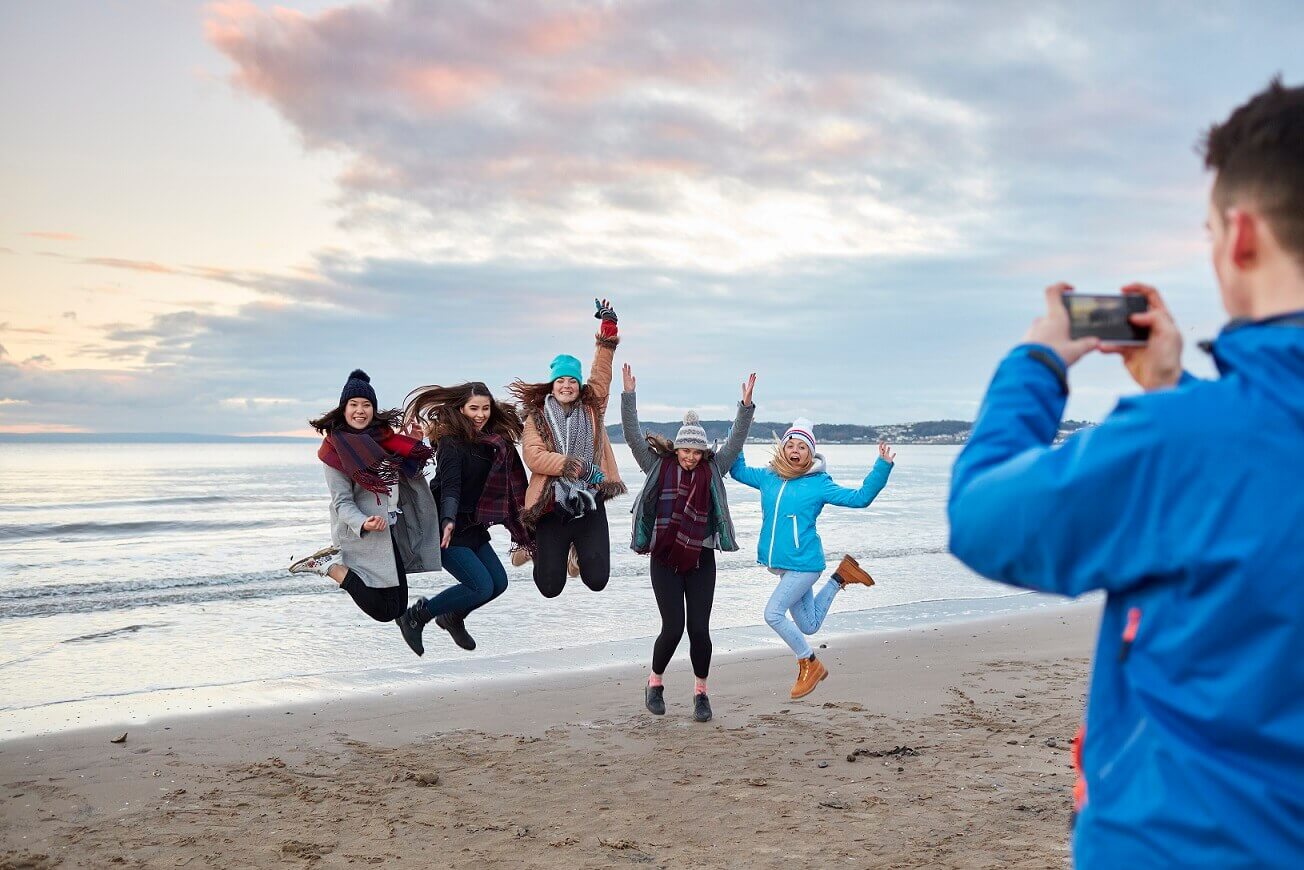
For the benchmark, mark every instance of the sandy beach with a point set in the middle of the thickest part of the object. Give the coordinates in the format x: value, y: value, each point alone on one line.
x: 939, y: 746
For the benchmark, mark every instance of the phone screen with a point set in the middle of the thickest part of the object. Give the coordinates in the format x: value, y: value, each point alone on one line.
x: 1106, y: 317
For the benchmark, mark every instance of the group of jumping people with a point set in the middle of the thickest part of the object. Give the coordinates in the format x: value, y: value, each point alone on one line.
x: 387, y: 520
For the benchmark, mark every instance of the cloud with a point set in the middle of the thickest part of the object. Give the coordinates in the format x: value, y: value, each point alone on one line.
x: 53, y: 236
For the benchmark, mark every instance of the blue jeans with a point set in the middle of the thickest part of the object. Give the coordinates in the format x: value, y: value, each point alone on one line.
x: 480, y: 579
x: 794, y: 594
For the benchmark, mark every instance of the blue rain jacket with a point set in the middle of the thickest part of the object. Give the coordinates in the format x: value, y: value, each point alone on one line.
x: 789, y: 509
x: 1187, y: 507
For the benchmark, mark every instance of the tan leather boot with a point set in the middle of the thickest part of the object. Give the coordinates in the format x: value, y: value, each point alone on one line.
x: 809, y: 674
x: 849, y: 571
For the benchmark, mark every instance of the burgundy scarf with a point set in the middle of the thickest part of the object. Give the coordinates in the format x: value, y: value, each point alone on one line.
x: 683, y: 511
x: 503, y: 497
x: 375, y: 458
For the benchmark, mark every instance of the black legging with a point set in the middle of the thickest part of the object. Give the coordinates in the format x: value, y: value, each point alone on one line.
x: 382, y: 605
x: 553, y: 539
x: 673, y: 590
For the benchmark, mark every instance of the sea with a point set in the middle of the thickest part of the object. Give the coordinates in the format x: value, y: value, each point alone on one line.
x: 149, y: 580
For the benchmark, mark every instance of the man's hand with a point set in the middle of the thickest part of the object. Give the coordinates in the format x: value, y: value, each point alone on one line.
x: 1053, y: 329
x: 1157, y: 364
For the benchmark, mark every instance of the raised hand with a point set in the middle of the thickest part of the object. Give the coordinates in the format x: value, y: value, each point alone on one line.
x: 627, y: 374
x: 607, y: 315
x: 748, y: 386
x: 885, y: 452
x: 1158, y: 363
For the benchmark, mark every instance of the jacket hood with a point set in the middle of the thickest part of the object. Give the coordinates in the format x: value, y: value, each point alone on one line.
x: 819, y: 466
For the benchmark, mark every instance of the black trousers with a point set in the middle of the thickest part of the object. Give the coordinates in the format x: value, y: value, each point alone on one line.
x: 553, y: 538
x: 382, y: 605
x: 675, y: 592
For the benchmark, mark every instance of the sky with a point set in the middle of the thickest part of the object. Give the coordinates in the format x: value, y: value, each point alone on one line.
x: 213, y: 211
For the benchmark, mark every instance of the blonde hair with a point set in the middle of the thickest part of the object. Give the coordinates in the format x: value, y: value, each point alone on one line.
x: 781, y: 465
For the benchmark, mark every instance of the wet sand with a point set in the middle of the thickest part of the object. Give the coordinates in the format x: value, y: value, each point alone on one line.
x: 943, y: 746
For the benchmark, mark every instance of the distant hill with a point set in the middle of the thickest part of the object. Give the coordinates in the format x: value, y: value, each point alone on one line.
x: 926, y: 432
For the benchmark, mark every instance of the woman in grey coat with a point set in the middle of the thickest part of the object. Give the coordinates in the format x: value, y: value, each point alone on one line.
x: 370, y: 470
x: 681, y: 518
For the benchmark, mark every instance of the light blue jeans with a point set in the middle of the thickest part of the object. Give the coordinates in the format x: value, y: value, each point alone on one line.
x: 793, y: 594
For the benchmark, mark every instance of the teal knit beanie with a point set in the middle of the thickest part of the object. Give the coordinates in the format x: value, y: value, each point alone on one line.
x: 565, y: 366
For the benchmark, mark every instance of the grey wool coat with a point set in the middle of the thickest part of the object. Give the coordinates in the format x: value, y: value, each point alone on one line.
x: 642, y: 533
x: 371, y: 554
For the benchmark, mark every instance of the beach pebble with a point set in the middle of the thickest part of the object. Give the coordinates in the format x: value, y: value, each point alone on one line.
x: 823, y: 764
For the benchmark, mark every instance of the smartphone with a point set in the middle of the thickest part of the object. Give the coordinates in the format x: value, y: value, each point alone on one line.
x: 1106, y: 317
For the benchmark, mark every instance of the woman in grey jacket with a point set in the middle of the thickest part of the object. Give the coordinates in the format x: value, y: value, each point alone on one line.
x: 373, y: 544
x: 680, y: 519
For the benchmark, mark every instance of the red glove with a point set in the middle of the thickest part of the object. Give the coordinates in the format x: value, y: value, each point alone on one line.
x: 607, y: 315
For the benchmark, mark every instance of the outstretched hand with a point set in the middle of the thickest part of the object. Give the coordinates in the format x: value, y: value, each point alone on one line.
x: 748, y: 386
x: 1158, y: 363
x: 885, y: 452
x: 627, y: 375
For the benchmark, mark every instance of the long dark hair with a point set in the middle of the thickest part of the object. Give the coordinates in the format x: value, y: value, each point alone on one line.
x: 439, y: 410
x: 534, y: 395
x: 334, y: 419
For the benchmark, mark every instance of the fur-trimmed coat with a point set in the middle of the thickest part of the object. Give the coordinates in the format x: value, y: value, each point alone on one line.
x: 543, y: 460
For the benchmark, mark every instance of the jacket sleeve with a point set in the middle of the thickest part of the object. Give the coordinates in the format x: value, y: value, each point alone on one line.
x: 449, y: 475
x: 600, y: 372
x: 538, y: 458
x: 1086, y: 515
x: 341, y: 490
x: 733, y: 447
x: 858, y: 498
x: 634, y: 432
x: 745, y: 474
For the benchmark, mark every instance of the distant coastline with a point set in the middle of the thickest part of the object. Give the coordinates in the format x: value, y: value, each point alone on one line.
x: 924, y: 432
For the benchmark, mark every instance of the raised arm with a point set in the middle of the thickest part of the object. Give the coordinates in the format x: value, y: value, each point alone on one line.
x: 604, y: 352
x: 733, y: 447
x: 629, y: 423
x: 873, y: 484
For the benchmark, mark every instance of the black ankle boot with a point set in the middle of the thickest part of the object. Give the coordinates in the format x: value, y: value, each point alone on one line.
x: 456, y: 628
x: 653, y: 696
x: 411, y: 622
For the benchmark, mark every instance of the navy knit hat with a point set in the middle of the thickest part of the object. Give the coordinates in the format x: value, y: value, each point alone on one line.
x: 358, y: 386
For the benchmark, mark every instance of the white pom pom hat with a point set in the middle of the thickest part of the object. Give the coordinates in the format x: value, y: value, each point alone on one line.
x: 691, y: 435
x: 803, y: 430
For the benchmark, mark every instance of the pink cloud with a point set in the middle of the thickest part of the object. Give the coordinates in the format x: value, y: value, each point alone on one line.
x: 53, y: 236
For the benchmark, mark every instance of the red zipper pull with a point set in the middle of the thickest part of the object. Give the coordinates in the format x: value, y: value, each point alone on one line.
x: 1129, y: 633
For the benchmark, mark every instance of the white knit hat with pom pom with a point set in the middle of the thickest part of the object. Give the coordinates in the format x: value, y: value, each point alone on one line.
x: 691, y: 434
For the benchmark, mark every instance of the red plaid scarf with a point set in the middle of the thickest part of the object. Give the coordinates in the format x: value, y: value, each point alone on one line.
x: 503, y: 498
x: 375, y: 458
x: 683, y: 511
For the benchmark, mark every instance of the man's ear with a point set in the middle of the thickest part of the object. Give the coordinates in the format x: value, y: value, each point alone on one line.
x: 1243, y: 237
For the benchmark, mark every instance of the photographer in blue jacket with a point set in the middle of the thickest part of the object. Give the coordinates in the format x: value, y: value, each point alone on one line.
x: 1186, y: 505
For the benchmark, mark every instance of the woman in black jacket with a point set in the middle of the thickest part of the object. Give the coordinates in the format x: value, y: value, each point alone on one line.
x: 479, y: 482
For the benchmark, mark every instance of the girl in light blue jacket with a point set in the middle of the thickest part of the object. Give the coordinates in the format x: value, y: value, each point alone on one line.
x: 795, y: 487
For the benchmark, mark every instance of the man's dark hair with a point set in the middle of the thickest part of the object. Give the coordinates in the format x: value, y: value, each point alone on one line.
x: 1258, y: 155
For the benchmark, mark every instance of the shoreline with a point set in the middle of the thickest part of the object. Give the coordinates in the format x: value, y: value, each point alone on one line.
x: 136, y: 709
x: 569, y: 771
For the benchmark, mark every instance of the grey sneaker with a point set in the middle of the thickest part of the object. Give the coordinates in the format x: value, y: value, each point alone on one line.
x: 318, y: 563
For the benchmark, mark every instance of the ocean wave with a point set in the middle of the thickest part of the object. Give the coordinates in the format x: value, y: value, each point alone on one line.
x: 128, y: 528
